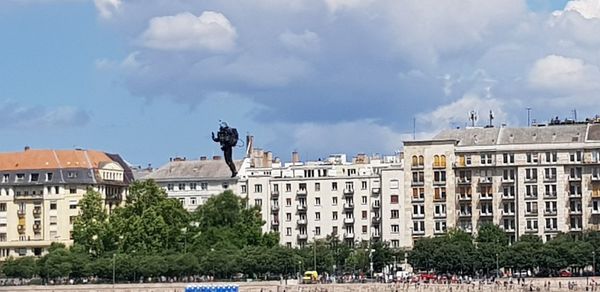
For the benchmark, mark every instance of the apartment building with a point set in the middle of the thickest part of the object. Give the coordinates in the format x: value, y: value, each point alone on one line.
x: 537, y: 180
x: 40, y: 191
x: 308, y: 200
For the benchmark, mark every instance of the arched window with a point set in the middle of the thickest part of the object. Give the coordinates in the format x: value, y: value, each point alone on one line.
x: 436, y: 161
x: 415, y: 161
x: 443, y: 161
x: 421, y: 160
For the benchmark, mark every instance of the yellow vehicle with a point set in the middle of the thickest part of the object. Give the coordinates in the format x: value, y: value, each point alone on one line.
x: 310, y: 277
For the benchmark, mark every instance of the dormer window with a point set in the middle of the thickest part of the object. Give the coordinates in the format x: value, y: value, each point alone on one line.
x: 49, y: 176
x: 72, y: 174
x: 5, y: 178
x: 20, y: 177
x: 34, y: 177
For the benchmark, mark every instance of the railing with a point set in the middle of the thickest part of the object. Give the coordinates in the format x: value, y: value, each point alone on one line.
x: 348, y: 220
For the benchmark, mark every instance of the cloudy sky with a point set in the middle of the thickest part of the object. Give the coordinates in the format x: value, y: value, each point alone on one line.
x: 150, y: 79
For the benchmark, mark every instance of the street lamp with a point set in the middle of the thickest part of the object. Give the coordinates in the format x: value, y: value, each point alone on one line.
x: 593, y: 263
x: 497, y: 267
x: 315, y: 249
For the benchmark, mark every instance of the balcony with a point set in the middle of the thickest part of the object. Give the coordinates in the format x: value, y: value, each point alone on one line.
x: 550, y: 212
x: 439, y: 215
x: 275, y: 193
x: 301, y: 193
x: 485, y: 197
x: 463, y: 180
x: 348, y: 205
x: 301, y: 208
x: 530, y: 179
x: 375, y: 219
x: 485, y: 180
x: 439, y: 182
x: 464, y: 197
x: 531, y: 197
x: 21, y: 228
x: 349, y: 235
x: 22, y: 196
x: 575, y: 211
x: 376, y: 191
x: 550, y: 195
x: 508, y: 229
x: 348, y: 192
x: 376, y: 205
x: 531, y: 230
x: 274, y: 222
x: 301, y: 221
x: 551, y: 229
x: 574, y: 178
x: 21, y: 213
x: 37, y: 212
x: 302, y: 236
x: 532, y: 213
x: 550, y: 178
x: 508, y: 213
x: 376, y: 235
x: 508, y: 196
x: 574, y: 195
x: 486, y: 214
x: 418, y: 215
x: 418, y: 232
x: 275, y: 208
x: 575, y: 228
x: 595, y: 211
x: 595, y: 178
x: 348, y: 220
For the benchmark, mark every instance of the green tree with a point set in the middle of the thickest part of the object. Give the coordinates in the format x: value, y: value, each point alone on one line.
x: 492, y: 244
x: 89, y: 229
x: 23, y: 267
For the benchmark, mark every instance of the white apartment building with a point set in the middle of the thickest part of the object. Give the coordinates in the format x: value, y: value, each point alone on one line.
x: 537, y: 180
x: 40, y: 191
x: 308, y: 200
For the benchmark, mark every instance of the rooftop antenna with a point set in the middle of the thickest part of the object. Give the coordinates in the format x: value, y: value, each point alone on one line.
x: 528, y: 116
x: 473, y: 117
x: 491, y: 118
x: 575, y: 115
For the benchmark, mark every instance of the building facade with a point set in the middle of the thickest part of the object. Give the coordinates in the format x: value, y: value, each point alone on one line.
x: 40, y: 191
x: 537, y: 180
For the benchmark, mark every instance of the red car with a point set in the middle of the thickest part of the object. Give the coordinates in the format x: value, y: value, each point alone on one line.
x: 565, y: 273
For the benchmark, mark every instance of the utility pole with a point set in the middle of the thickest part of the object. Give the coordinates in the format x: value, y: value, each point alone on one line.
x: 114, y: 261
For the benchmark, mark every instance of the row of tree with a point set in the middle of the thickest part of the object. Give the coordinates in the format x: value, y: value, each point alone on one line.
x: 152, y: 235
x: 458, y: 252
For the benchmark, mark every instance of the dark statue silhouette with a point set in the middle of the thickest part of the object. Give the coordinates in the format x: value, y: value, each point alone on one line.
x: 228, y: 138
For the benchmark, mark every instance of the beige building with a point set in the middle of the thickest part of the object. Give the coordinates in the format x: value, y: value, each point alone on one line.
x: 538, y: 180
x: 308, y: 200
x: 40, y: 191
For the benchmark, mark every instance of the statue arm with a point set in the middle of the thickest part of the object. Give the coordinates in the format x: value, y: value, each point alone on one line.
x: 213, y: 137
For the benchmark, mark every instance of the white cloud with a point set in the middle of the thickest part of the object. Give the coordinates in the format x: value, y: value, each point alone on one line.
x: 558, y: 73
x: 456, y: 114
x: 335, y: 5
x: 589, y: 9
x: 185, y: 31
x: 107, y: 8
x: 305, y: 42
x: 12, y: 113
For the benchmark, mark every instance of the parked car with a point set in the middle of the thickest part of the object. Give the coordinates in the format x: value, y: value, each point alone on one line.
x: 565, y: 273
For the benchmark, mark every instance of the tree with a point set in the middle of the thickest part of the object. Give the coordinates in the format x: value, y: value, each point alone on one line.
x: 90, y: 229
x: 23, y: 267
x: 491, y: 245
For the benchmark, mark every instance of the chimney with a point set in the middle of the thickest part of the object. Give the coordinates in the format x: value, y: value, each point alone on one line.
x: 202, y: 158
x: 249, y: 145
x: 26, y: 148
x: 216, y: 157
x: 295, y: 157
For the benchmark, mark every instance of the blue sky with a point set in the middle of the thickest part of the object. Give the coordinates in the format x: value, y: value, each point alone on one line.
x: 151, y: 79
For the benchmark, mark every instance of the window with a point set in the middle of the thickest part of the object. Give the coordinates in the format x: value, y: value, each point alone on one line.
x: 364, y: 229
x: 20, y: 177
x: 181, y: 187
x: 551, y: 207
x: 363, y: 185
x: 418, y: 226
x: 551, y: 157
x: 193, y: 186
x: 551, y: 223
x: 2, y: 237
x: 334, y: 230
x: 531, y: 208
x: 439, y: 193
x: 317, y: 201
x: 34, y: 177
x: 71, y: 174
x: 317, y: 187
x: 169, y: 187
x: 2, y: 207
x: 532, y: 224
x: 72, y: 219
x: 550, y: 191
x: 486, y: 159
x: 395, y: 214
x: 364, y: 200
x: 193, y: 201
x: 550, y: 173
x: 418, y: 178
x: 508, y: 191
x: 225, y: 185
x: 244, y: 189
x: 440, y: 226
x: 418, y: 193
x: 5, y: 178
x: 257, y: 202
x: 531, y: 191
x: 418, y: 161
x: 465, y: 209
x: 334, y: 186
x: 465, y: 193
x: 508, y: 158
x: 439, y: 176
x: 204, y: 186
x: 53, y: 206
x: 288, y: 217
x: 288, y: 231
x: 288, y: 202
x: 334, y: 201
x: 258, y: 188
x: 364, y: 214
x: 532, y: 157
x: 531, y: 174
x: 575, y: 156
x: 72, y: 190
x: 439, y: 210
x: 395, y: 228
x: 73, y: 205
x: 418, y: 210
x: 394, y: 199
x: 508, y: 175
x: 288, y: 187
x: 508, y: 208
x: 317, y: 230
x: 334, y: 215
x: 575, y: 173
x: 317, y: 216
